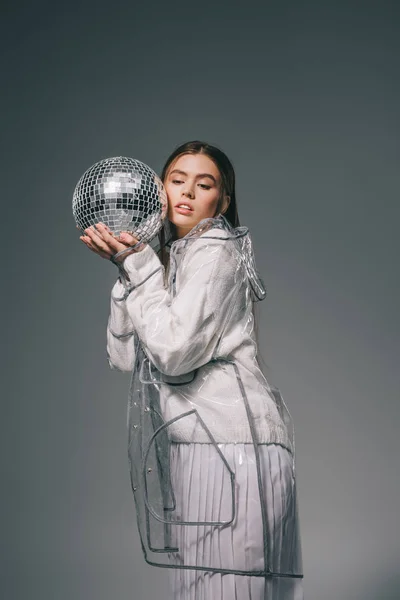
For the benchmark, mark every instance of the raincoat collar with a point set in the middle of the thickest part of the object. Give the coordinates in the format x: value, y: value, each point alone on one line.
x: 242, y: 240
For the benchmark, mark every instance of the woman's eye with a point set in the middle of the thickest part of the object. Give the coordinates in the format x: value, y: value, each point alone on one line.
x: 177, y: 181
x: 204, y: 186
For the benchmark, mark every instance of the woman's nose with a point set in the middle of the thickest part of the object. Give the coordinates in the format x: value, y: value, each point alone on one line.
x: 188, y: 191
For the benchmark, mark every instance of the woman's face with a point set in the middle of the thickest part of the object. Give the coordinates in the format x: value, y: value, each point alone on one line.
x: 192, y: 180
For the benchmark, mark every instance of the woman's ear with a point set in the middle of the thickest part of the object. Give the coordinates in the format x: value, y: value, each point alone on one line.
x: 225, y: 204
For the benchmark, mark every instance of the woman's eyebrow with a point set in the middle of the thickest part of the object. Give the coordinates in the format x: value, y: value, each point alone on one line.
x: 199, y: 176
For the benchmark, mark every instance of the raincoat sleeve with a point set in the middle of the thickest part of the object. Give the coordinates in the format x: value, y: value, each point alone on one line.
x: 181, y: 332
x: 120, y: 333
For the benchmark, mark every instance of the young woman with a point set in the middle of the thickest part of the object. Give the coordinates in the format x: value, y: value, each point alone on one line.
x: 210, y: 440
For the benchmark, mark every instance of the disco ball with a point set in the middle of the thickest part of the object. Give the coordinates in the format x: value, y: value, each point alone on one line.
x: 124, y: 194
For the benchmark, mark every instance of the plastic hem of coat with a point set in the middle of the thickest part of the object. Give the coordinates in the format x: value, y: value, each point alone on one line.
x: 224, y: 571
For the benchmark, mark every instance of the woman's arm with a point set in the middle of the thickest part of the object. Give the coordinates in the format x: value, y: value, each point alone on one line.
x: 120, y: 333
x: 181, y: 333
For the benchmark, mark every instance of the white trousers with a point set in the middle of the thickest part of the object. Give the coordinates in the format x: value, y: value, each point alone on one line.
x: 202, y: 490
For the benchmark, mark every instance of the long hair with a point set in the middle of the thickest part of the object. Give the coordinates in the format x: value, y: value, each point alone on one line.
x: 227, y: 174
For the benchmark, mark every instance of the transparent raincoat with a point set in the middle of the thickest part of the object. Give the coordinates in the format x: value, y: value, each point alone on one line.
x: 211, y: 442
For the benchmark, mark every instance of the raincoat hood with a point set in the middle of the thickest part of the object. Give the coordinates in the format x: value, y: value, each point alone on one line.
x: 210, y: 228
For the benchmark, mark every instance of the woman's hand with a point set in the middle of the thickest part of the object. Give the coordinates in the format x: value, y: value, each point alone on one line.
x: 102, y: 241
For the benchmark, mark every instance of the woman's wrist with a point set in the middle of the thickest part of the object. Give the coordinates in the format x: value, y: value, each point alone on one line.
x: 119, y: 257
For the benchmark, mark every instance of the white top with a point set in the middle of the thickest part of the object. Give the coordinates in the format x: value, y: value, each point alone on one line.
x: 204, y: 314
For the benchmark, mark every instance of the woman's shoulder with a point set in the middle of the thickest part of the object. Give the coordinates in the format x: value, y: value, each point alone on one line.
x: 215, y: 242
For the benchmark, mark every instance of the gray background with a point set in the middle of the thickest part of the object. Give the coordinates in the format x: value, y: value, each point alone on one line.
x: 304, y: 98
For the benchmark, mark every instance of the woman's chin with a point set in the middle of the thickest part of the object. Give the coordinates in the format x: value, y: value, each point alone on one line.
x: 181, y: 220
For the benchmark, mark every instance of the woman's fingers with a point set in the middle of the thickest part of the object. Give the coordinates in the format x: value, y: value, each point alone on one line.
x: 88, y: 242
x: 100, y: 239
x: 102, y: 235
x: 105, y: 234
x: 127, y: 238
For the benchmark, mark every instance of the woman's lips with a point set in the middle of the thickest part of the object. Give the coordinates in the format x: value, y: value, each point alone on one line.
x: 183, y: 211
